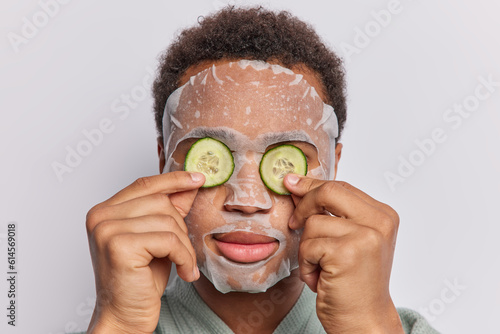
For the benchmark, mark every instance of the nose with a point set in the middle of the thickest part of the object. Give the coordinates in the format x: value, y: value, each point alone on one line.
x: 245, y: 191
x: 248, y: 197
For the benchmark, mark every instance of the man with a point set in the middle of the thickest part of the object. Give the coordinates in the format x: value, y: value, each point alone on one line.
x: 252, y: 80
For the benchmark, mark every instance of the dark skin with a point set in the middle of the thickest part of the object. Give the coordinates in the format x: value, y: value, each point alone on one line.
x: 345, y: 257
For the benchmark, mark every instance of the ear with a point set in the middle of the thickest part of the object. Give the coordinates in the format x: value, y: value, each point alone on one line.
x: 161, y: 153
x: 338, y: 153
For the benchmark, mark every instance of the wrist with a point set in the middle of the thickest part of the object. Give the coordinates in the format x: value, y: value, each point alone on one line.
x: 382, y: 320
x: 106, y: 324
x: 386, y: 321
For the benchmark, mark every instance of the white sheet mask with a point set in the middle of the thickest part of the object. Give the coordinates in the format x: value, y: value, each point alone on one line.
x: 244, y: 190
x: 196, y: 84
x: 229, y: 276
x: 248, y: 105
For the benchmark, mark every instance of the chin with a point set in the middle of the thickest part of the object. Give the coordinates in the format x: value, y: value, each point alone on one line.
x: 256, y: 277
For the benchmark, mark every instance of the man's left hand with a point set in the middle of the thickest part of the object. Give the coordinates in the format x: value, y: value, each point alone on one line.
x: 346, y: 254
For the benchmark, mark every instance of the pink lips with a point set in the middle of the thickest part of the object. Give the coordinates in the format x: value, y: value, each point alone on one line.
x: 245, y: 247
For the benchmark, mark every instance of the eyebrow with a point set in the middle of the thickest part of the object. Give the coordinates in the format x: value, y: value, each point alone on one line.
x: 286, y: 136
x: 216, y: 133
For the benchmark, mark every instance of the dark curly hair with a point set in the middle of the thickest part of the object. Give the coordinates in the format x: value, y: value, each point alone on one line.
x: 256, y: 34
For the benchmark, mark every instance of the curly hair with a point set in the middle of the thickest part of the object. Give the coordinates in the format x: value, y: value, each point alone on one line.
x: 255, y: 34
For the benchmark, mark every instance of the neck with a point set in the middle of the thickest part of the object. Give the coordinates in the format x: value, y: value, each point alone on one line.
x: 252, y: 312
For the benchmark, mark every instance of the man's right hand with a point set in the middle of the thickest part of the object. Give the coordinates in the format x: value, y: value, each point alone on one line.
x: 134, y: 237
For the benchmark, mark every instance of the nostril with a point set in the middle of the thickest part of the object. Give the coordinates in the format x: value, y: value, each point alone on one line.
x: 247, y: 197
x: 245, y: 209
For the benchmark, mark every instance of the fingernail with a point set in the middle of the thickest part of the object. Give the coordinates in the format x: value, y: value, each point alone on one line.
x: 291, y: 222
x: 292, y: 179
x: 196, y: 177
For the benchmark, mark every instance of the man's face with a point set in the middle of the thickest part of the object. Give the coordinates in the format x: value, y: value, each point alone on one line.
x: 240, y: 229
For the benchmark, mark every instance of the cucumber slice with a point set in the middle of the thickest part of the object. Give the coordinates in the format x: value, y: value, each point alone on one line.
x: 278, y: 162
x: 212, y: 158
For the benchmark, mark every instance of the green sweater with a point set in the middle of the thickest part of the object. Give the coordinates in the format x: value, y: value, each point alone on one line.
x: 183, y: 311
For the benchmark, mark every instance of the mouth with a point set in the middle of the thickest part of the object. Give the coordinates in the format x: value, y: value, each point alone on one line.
x: 245, y: 247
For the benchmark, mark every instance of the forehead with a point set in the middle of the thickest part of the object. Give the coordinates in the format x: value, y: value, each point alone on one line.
x: 251, y: 97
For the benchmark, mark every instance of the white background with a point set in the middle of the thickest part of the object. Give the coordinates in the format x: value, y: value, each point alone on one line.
x: 65, y: 79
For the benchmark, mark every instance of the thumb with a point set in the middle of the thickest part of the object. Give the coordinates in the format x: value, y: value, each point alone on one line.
x: 183, y: 200
x: 300, y: 185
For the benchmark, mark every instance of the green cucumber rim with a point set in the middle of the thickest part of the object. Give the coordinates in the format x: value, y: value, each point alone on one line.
x: 274, y: 148
x: 230, y: 153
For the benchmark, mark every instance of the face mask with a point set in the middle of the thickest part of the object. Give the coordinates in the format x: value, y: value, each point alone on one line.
x: 249, y: 106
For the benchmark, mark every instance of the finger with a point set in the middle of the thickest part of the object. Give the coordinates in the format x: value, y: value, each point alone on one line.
x: 183, y: 201
x: 295, y: 199
x: 319, y: 236
x: 370, y: 200
x: 311, y: 253
x: 162, y: 267
x: 150, y: 205
x: 158, y: 223
x: 322, y: 226
x: 137, y: 250
x: 300, y: 185
x: 168, y: 183
x: 320, y: 196
x: 378, y: 215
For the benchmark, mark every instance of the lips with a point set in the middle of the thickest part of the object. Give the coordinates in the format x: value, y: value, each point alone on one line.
x: 245, y: 247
